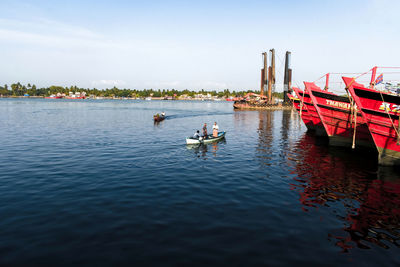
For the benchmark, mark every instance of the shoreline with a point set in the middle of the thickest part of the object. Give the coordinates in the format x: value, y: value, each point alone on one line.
x: 126, y: 98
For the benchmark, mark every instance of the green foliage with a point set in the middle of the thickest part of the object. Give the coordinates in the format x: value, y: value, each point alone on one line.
x: 17, y: 89
x: 4, y: 90
x: 278, y: 94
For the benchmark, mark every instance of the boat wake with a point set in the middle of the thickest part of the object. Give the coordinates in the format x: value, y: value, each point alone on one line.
x: 180, y: 116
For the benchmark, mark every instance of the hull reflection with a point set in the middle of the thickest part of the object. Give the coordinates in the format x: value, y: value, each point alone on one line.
x: 369, y: 196
x: 202, y: 150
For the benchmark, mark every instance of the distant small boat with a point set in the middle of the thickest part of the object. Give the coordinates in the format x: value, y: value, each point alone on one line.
x: 210, y: 139
x: 53, y: 97
x: 159, y: 118
x: 148, y: 98
x: 75, y: 97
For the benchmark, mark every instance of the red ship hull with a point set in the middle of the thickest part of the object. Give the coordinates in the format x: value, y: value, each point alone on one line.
x: 381, y: 113
x: 310, y: 116
x: 337, y: 119
x: 304, y: 113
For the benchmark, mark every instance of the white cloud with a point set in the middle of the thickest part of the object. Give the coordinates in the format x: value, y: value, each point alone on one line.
x: 105, y: 83
x: 196, y: 85
x: 49, y: 33
x: 40, y: 25
x: 163, y: 84
x: 215, y: 85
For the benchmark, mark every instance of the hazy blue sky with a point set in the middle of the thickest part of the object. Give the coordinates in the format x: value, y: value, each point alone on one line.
x: 191, y: 44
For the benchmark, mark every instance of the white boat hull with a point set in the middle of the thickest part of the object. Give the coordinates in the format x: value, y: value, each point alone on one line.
x: 210, y: 139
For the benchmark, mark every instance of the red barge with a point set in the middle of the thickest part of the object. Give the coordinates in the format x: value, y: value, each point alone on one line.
x: 338, y: 118
x: 381, y: 111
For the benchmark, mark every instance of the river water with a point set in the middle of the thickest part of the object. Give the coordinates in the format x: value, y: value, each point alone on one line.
x: 97, y: 182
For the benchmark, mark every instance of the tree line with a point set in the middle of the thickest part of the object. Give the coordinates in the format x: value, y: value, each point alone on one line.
x: 18, y: 89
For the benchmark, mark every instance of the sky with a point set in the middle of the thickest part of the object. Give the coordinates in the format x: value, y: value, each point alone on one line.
x: 210, y: 45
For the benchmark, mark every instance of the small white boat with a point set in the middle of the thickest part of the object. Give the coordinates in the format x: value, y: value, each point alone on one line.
x: 209, y: 139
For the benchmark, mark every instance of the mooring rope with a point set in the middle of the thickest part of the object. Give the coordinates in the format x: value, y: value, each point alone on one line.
x: 301, y: 103
x: 351, y: 105
x: 397, y: 131
x: 353, y: 108
x: 355, y: 126
x: 320, y: 78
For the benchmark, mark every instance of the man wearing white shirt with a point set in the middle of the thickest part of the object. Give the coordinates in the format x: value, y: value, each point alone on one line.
x: 215, y: 129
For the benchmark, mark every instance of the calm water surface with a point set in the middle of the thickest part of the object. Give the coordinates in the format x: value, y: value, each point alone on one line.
x: 97, y: 182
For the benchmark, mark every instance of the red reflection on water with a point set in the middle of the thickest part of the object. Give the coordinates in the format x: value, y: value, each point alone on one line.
x: 370, y: 195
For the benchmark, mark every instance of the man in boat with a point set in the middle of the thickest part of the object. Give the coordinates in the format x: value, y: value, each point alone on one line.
x: 205, y: 134
x: 215, y: 129
x: 196, y: 135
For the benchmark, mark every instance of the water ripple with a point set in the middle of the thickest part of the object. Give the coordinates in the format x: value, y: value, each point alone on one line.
x: 97, y: 182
